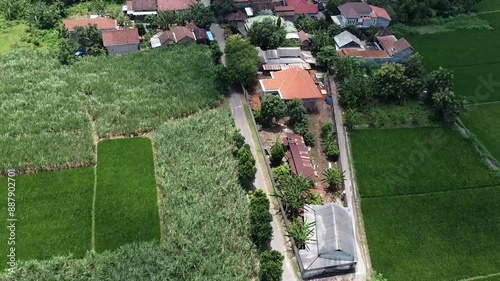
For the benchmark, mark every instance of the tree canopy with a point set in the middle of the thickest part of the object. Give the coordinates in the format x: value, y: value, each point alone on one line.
x: 272, y: 108
x: 241, y: 60
x: 267, y: 34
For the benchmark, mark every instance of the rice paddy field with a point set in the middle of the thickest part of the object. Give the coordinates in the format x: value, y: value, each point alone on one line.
x: 483, y: 120
x: 48, y: 110
x: 430, y: 206
x: 53, y: 212
x: 55, y: 209
x: 126, y: 200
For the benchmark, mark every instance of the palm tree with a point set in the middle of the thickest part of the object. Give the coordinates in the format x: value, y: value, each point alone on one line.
x: 333, y: 178
x: 301, y: 232
x: 294, y: 193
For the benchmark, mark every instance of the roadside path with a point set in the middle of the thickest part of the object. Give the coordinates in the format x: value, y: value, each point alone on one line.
x: 278, y: 242
x: 361, y: 266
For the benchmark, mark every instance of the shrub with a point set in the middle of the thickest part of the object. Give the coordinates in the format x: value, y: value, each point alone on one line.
x: 328, y: 142
x: 246, y: 166
x: 260, y: 220
x: 302, y: 129
x: 315, y: 199
x: 277, y: 153
x: 281, y: 172
x: 333, y: 178
x: 271, y: 266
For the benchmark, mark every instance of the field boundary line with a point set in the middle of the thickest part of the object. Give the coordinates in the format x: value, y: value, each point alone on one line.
x: 481, y: 277
x: 159, y: 190
x: 434, y: 192
x: 488, y: 12
x: 481, y: 103
x: 94, y: 198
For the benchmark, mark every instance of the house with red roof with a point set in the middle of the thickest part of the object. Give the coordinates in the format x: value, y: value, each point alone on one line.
x: 293, y: 83
x: 102, y: 24
x: 180, y: 35
x: 361, y: 15
x: 122, y: 41
x: 298, y: 157
x: 294, y: 8
x: 141, y: 8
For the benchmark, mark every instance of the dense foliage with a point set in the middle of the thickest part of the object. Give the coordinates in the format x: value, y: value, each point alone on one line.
x: 301, y: 232
x: 328, y: 141
x: 241, y: 60
x: 260, y: 220
x: 334, y: 179
x: 277, y: 153
x: 197, y: 13
x: 281, y: 172
x: 271, y: 266
x: 272, y: 109
x: 246, y: 166
x: 267, y: 34
x: 296, y: 111
x: 294, y: 192
x: 45, y: 106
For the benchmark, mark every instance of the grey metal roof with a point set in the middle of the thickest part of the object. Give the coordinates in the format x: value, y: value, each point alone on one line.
x: 345, y: 38
x: 354, y: 9
x: 333, y: 242
x: 288, y: 52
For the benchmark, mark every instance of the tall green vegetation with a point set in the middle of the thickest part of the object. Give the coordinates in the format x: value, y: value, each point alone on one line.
x: 48, y: 107
x: 294, y: 192
x: 328, y: 142
x: 271, y: 266
x: 272, y: 109
x: 301, y: 232
x: 334, y: 179
x: 260, y: 220
x: 241, y: 60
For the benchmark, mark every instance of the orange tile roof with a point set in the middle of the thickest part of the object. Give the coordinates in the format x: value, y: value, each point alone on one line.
x: 101, y: 23
x: 293, y: 83
x: 174, y: 5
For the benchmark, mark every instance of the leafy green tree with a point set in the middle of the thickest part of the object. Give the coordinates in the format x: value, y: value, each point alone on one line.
x: 315, y: 199
x: 389, y: 80
x: 222, y: 7
x: 331, y: 8
x: 438, y: 80
x: 238, y: 141
x: 89, y: 39
x: 140, y: 28
x: 294, y: 193
x: 45, y: 16
x: 347, y: 67
x: 164, y: 20
x: 277, y: 153
x: 272, y: 108
x: 321, y: 38
x: 66, y: 51
x: 98, y: 7
x: 13, y: 9
x: 241, y: 60
x: 415, y: 72
x: 305, y: 23
x: 356, y: 92
x: 202, y: 16
x: 216, y: 52
x: 301, y: 232
x: 267, y: 34
x: 296, y: 110
x: 351, y: 118
x: 260, y: 220
x: 246, y: 166
x: 280, y: 172
x: 271, y: 266
x: 333, y: 178
x: 447, y: 106
x: 302, y: 128
x: 327, y: 56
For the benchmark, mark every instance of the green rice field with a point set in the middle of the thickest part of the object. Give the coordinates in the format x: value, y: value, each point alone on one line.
x: 488, y: 5
x: 430, y: 206
x: 126, y: 200
x: 483, y: 120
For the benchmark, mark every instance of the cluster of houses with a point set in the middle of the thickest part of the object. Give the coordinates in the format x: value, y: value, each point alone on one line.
x: 116, y: 40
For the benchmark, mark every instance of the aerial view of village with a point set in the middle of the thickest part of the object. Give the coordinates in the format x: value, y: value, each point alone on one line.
x: 250, y: 140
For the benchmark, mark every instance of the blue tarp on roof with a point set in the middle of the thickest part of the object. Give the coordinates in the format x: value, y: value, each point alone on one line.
x: 210, y: 36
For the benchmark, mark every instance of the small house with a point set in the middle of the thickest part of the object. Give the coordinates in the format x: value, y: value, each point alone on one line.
x: 297, y: 156
x: 122, y: 41
x: 294, y: 8
x: 361, y: 15
x: 305, y: 40
x: 347, y: 40
x: 102, y: 24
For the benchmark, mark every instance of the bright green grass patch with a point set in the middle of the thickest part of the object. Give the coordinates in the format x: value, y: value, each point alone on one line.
x: 439, y: 236
x: 483, y: 121
x: 53, y: 212
x: 393, y: 116
x: 488, y: 5
x: 85, y: 9
x: 16, y: 35
x: 420, y: 160
x: 470, y: 82
x: 44, y: 107
x: 126, y: 200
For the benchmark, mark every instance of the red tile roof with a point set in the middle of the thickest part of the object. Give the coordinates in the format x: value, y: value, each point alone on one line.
x: 143, y: 5
x: 380, y: 12
x: 182, y: 32
x: 303, y: 7
x: 101, y: 23
x: 303, y: 36
x: 298, y: 156
x: 401, y: 45
x: 393, y: 45
x: 293, y: 83
x: 238, y: 16
x: 174, y: 5
x: 369, y: 54
x: 166, y: 36
x: 120, y: 37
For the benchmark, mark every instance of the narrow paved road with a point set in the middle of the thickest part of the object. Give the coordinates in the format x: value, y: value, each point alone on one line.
x: 361, y: 268
x: 278, y: 241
